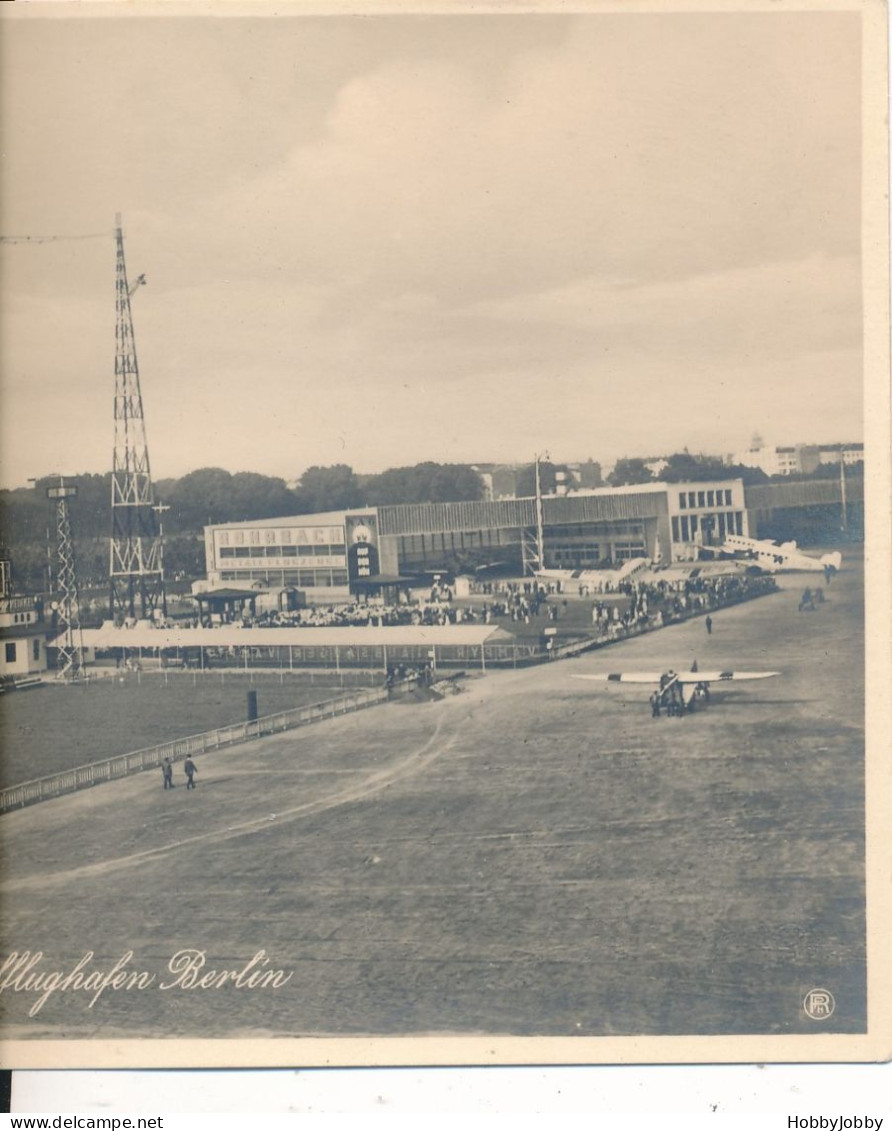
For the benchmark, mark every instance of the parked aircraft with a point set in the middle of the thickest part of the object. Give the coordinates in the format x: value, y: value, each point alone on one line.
x: 776, y: 556
x: 670, y: 686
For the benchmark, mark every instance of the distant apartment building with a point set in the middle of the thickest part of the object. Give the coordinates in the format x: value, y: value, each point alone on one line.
x: 504, y: 482
x: 501, y: 481
x: 484, y: 471
x: 587, y: 474
x: 851, y: 453
x: 795, y: 459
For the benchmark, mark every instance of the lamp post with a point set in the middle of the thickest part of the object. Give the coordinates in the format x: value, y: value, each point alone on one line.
x: 842, y: 489
x: 49, y: 553
x: 159, y: 509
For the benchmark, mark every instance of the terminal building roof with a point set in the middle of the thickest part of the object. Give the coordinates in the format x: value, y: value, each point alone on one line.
x: 600, y: 504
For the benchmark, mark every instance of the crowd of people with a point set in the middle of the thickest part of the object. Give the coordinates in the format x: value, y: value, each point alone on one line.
x: 636, y: 604
x: 357, y: 615
x: 655, y: 603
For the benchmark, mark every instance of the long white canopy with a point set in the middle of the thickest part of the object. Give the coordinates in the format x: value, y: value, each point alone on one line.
x: 348, y: 636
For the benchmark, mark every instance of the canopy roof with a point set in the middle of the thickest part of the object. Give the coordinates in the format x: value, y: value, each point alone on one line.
x: 384, y: 579
x: 347, y: 636
x: 228, y: 595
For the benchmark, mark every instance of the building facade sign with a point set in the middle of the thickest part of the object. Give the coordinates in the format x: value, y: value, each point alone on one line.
x: 362, y: 546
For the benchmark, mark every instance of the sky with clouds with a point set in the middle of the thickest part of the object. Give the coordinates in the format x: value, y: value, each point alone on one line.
x: 383, y: 239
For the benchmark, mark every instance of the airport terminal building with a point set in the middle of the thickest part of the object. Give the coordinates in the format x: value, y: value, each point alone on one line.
x: 339, y: 555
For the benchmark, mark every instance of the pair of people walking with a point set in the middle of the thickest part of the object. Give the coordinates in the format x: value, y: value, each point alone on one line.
x: 167, y: 773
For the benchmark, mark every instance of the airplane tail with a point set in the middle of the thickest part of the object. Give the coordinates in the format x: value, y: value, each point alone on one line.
x: 834, y: 559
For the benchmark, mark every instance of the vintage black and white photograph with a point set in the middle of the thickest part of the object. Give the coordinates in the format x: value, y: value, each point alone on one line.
x: 445, y: 536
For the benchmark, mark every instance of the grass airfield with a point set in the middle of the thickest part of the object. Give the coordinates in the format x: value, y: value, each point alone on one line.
x: 57, y: 728
x: 535, y: 856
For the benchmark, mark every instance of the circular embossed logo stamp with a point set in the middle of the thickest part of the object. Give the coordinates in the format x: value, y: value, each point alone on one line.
x: 819, y: 1004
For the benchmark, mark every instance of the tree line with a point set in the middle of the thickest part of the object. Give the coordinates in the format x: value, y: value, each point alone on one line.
x: 213, y: 495
x: 200, y: 498
x: 684, y: 467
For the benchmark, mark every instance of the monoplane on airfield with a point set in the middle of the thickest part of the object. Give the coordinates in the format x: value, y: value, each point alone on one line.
x: 776, y: 556
x: 670, y: 690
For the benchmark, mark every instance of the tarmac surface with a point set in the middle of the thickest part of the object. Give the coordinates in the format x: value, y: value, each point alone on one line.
x: 533, y: 856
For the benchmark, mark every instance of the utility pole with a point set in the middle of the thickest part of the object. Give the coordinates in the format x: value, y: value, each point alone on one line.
x: 69, y: 641
x: 160, y: 509
x: 49, y: 551
x: 842, y: 488
x: 136, y: 579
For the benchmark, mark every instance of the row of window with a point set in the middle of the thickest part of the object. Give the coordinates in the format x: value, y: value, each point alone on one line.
x: 412, y: 544
x: 581, y: 556
x: 12, y: 651
x: 687, y: 528
x: 589, y: 530
x: 333, y: 550
x: 572, y: 554
x: 595, y: 549
x: 302, y: 578
x: 22, y: 618
x: 689, y: 500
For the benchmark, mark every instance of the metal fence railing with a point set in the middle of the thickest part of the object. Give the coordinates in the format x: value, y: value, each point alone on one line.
x: 122, y: 765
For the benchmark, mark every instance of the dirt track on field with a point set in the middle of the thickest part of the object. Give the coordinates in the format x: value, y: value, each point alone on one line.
x: 534, y: 856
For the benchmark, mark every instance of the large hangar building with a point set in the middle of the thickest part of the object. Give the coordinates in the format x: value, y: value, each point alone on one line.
x: 336, y: 556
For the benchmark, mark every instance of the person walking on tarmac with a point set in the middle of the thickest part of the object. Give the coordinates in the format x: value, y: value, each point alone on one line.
x: 189, y: 767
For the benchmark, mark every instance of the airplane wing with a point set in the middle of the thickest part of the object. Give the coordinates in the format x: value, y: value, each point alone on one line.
x: 625, y: 677
x: 682, y: 677
x: 720, y: 677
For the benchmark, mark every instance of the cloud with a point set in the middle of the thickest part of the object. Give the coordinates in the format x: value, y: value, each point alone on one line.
x: 775, y: 310
x: 658, y: 150
x: 453, y: 237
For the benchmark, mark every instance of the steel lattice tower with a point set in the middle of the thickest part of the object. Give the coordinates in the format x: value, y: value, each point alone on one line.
x: 135, y: 561
x: 69, y: 641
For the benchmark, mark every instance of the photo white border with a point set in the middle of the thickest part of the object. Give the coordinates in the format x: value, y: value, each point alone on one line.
x: 433, y: 1050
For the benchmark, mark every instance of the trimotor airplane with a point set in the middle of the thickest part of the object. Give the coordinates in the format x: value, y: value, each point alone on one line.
x: 776, y: 556
x: 670, y: 685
